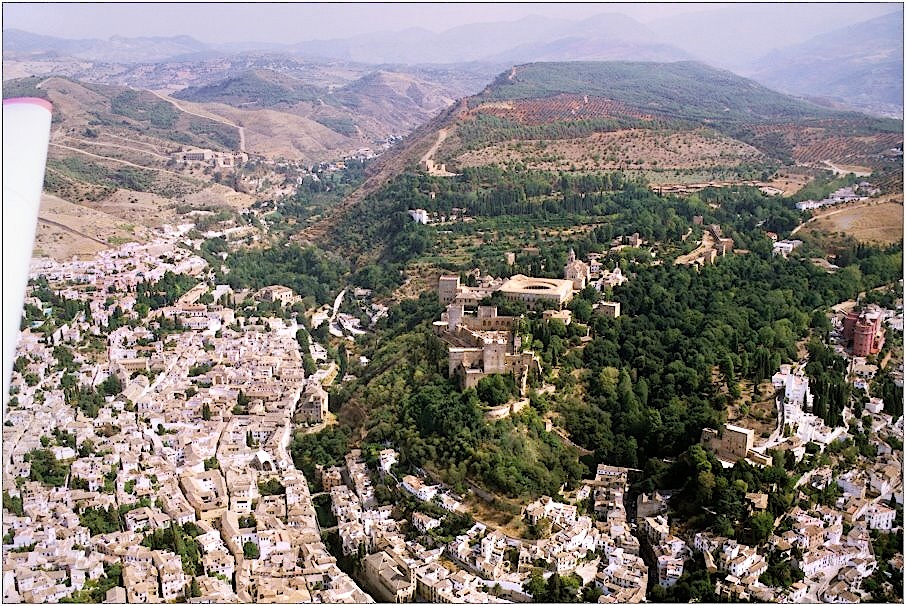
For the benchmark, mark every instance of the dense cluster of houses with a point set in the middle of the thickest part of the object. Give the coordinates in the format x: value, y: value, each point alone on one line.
x: 202, y: 423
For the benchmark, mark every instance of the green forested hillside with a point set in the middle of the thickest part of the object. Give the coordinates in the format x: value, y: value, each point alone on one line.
x: 644, y: 387
x: 683, y: 90
x: 260, y: 88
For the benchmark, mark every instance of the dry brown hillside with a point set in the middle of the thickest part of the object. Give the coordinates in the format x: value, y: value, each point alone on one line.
x: 66, y: 229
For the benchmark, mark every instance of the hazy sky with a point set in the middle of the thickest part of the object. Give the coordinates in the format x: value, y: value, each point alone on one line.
x: 286, y: 23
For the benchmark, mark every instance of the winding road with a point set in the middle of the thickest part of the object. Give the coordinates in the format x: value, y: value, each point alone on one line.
x: 116, y: 146
x: 117, y: 160
x: 441, y: 137
x: 209, y: 116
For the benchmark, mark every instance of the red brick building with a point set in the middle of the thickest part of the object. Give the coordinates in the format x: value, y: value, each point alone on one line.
x: 864, y: 331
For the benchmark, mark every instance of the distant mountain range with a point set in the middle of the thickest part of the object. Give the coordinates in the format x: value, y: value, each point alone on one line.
x: 733, y: 35
x: 859, y: 66
x: 18, y: 44
x: 851, y: 65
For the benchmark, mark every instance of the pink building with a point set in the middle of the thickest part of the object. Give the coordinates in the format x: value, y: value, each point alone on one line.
x: 864, y: 331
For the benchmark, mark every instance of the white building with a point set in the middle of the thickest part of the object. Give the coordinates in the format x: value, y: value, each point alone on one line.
x: 419, y: 215
x: 880, y: 517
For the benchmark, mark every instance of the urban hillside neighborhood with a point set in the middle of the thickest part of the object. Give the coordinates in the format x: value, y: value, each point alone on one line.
x: 147, y: 456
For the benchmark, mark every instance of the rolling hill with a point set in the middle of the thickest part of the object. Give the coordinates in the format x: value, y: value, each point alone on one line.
x: 256, y: 87
x: 681, y: 95
x: 370, y: 108
x: 110, y: 153
x: 671, y: 123
x: 683, y: 90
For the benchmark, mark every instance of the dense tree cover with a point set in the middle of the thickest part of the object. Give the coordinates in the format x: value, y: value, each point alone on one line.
x: 885, y: 297
x: 89, y: 400
x: 503, y: 196
x: 45, y: 468
x: 557, y: 589
x: 271, y: 487
x: 250, y: 551
x: 95, y: 591
x: 827, y: 381
x: 252, y: 87
x: 181, y: 541
x: 884, y: 386
x: 326, y: 518
x: 144, y: 107
x: 65, y: 359
x: 413, y: 406
x: 27, y: 87
x: 713, y: 497
x: 781, y: 572
x: 886, y: 546
x: 63, y: 437
x: 103, y: 520
x: 65, y: 310
x: 744, y: 211
x: 495, y: 390
x: 13, y: 504
x: 314, y: 196
x: 648, y: 386
x: 695, y: 585
x: 552, y: 339
x: 327, y: 447
x: 678, y: 326
x: 111, y: 386
x: 382, y: 278
x: 165, y: 291
x: 200, y: 369
x: 309, y: 271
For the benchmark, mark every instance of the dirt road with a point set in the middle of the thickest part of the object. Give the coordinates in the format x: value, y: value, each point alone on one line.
x: 837, y: 211
x: 118, y: 161
x: 116, y: 146
x: 429, y: 155
x: 441, y: 137
x: 72, y: 231
x: 208, y: 116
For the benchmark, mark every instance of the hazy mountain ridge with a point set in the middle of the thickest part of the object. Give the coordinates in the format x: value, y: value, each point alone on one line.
x: 579, y: 48
x: 504, y: 42
x: 731, y: 36
x: 18, y: 44
x: 372, y: 107
x: 860, y: 65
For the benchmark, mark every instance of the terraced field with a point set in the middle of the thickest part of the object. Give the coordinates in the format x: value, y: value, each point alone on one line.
x: 632, y: 149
